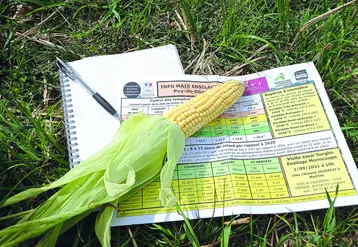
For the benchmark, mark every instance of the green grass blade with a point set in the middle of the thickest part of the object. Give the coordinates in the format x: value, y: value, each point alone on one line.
x: 225, y: 237
x: 188, y: 228
x: 188, y: 16
x: 278, y: 53
x: 283, y: 10
x: 330, y: 222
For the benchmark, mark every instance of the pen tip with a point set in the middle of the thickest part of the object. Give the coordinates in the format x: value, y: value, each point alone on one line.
x: 117, y: 116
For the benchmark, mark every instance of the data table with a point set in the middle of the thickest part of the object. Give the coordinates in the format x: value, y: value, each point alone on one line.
x: 216, y: 182
x: 244, y: 121
x: 250, y: 155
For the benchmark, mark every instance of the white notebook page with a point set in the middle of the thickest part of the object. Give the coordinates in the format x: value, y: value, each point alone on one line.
x: 94, y: 126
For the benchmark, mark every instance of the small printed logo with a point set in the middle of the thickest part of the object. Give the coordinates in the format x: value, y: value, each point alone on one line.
x: 131, y: 90
x: 148, y: 89
x: 301, y: 75
x: 281, y: 76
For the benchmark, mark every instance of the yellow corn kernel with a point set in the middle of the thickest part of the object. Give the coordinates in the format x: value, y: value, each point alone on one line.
x: 193, y: 114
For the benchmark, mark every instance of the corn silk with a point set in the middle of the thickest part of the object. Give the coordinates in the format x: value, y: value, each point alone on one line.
x: 143, y: 148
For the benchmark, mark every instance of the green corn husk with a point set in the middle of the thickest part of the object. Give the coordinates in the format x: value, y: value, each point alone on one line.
x: 131, y: 161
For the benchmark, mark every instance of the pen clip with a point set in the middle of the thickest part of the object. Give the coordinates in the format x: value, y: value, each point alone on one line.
x: 65, y: 68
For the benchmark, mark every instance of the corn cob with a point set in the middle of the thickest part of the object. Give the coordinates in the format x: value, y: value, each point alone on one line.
x: 200, y: 110
x: 131, y: 161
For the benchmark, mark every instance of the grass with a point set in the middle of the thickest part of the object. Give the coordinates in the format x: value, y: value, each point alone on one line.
x: 213, y: 37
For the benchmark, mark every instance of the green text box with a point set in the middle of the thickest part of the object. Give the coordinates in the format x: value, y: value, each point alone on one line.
x: 254, y: 169
x: 218, y: 128
x: 256, y: 125
x: 193, y: 166
x: 202, y: 134
x: 219, y: 133
x: 257, y: 130
x: 186, y: 174
x: 236, y: 127
x: 203, y: 173
x: 261, y: 161
x: 226, y: 163
x: 272, y: 168
x: 237, y: 169
x: 240, y: 132
x: 219, y: 171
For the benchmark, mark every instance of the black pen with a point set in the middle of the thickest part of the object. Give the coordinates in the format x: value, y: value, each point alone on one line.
x: 67, y: 69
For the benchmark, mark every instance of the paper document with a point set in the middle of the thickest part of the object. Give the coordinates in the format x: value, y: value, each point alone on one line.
x: 278, y: 149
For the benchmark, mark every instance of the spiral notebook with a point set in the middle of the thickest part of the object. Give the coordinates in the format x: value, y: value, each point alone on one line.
x: 89, y: 127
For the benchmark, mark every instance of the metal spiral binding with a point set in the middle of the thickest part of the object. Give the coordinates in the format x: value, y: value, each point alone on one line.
x: 70, y: 126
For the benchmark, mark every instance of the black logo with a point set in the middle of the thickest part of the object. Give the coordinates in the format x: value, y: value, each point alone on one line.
x: 301, y: 75
x: 131, y: 90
